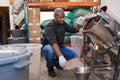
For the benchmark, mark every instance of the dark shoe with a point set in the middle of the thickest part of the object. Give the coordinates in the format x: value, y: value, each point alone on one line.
x: 51, y: 72
x: 58, y: 67
x: 57, y: 64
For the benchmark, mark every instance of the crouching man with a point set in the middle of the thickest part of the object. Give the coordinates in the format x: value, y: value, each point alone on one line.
x: 56, y: 54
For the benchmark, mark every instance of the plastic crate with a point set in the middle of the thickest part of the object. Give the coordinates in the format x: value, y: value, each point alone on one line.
x: 77, y: 43
x: 16, y: 40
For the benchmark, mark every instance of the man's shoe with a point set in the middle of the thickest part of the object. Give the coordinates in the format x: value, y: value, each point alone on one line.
x: 51, y: 72
x: 57, y: 65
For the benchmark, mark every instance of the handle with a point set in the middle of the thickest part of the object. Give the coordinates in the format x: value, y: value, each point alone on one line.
x: 22, y: 64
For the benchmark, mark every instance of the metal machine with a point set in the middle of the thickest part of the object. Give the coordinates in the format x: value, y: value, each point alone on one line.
x: 105, y: 39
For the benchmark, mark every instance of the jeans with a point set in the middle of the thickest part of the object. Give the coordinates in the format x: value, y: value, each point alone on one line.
x: 50, y: 55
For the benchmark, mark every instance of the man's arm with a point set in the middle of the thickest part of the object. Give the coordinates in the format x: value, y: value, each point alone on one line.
x: 56, y: 49
x: 62, y: 60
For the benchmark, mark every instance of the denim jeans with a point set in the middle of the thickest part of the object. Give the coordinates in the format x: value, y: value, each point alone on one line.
x: 50, y: 55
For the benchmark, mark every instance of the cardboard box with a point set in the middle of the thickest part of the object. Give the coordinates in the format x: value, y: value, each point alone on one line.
x: 34, y: 19
x: 33, y: 15
x: 34, y: 40
x: 33, y: 12
x: 34, y: 34
x: 34, y: 26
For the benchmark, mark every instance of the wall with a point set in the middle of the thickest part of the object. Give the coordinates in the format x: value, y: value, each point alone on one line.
x: 4, y: 3
x: 47, y: 15
x: 113, y: 8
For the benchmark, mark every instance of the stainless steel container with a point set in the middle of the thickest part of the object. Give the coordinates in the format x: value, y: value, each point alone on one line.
x: 81, y: 73
x: 101, y: 34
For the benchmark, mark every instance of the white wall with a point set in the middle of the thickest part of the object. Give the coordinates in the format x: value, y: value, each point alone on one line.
x: 113, y: 8
x: 47, y: 15
x: 4, y: 3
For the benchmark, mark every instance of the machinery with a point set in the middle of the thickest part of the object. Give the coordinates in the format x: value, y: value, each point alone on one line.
x: 104, y: 34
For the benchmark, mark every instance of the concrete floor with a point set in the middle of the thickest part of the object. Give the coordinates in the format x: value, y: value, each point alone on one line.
x: 39, y: 72
x: 67, y: 74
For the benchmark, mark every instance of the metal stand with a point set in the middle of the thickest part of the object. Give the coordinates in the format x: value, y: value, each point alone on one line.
x: 116, y: 74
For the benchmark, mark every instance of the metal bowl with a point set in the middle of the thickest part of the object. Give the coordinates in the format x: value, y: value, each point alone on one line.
x: 82, y: 73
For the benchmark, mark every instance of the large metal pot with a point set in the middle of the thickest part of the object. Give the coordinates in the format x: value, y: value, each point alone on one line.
x: 101, y: 34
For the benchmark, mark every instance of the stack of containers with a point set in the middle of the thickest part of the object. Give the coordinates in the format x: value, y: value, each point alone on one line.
x: 76, y: 43
x: 34, y: 25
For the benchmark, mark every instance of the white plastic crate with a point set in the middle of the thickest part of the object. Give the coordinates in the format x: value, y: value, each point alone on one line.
x: 76, y: 40
x: 77, y: 43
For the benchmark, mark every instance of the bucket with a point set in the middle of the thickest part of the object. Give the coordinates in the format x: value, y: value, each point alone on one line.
x: 34, y: 68
x: 81, y: 73
x: 14, y: 64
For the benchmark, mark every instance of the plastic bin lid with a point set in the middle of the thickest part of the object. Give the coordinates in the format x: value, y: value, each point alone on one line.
x: 10, y: 51
x: 13, y: 54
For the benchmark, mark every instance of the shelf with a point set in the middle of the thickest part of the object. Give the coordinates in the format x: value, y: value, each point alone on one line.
x: 66, y: 5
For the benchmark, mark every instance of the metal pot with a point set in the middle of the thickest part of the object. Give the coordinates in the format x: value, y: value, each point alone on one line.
x: 101, y: 34
x: 81, y: 73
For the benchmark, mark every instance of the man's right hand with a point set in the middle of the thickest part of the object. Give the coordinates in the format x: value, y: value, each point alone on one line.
x: 62, y: 61
x: 80, y: 20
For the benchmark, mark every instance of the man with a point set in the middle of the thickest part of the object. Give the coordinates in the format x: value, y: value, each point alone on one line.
x: 56, y: 54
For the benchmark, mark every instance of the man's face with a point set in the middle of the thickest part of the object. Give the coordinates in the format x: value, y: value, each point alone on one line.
x: 60, y: 18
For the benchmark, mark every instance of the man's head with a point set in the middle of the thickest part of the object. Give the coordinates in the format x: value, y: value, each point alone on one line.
x: 59, y: 15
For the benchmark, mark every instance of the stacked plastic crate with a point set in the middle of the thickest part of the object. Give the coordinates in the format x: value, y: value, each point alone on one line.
x: 76, y: 43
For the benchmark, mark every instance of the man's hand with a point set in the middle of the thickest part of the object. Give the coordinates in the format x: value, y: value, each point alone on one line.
x: 62, y: 61
x: 80, y: 20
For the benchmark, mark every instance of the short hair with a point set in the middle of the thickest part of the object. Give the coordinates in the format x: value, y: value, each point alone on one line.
x: 58, y: 11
